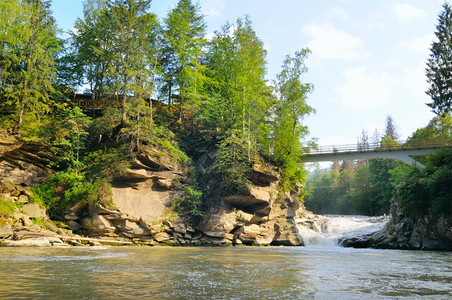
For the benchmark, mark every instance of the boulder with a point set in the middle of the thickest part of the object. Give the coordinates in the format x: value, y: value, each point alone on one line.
x: 24, y: 162
x: 257, y: 198
x: 133, y: 229
x: 218, y: 224
x: 98, y: 224
x: 162, y: 237
x: 32, y: 242
x: 263, y: 174
x: 22, y: 199
x: 5, y: 232
x: 34, y: 211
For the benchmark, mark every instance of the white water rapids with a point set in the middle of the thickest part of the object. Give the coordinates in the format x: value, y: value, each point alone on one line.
x: 326, y: 230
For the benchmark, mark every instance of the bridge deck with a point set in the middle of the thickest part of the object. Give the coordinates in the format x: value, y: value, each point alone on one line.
x: 402, y: 152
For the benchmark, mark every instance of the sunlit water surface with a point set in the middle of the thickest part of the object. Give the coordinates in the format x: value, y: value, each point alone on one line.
x: 318, y: 271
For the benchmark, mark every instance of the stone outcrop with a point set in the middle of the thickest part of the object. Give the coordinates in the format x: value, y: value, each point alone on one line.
x: 259, y: 217
x: 142, y: 204
x: 25, y: 217
x: 143, y: 214
x: 427, y: 232
x: 24, y: 163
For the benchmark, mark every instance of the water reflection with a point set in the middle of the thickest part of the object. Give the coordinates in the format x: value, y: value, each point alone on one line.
x: 222, y: 273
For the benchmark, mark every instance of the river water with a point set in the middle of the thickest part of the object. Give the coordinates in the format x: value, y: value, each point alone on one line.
x: 321, y: 270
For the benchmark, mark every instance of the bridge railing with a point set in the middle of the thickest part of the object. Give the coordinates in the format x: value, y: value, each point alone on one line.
x: 382, y: 146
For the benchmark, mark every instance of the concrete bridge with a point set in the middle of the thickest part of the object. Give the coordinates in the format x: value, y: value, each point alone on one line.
x: 404, y: 152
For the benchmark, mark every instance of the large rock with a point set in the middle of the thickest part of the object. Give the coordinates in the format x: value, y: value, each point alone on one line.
x: 263, y: 174
x: 218, y: 224
x: 23, y: 162
x: 98, y: 224
x: 143, y: 201
x: 32, y: 242
x: 427, y: 232
x: 257, y: 198
x: 34, y: 211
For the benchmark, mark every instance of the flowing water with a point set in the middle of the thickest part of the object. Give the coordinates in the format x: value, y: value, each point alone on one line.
x: 321, y: 270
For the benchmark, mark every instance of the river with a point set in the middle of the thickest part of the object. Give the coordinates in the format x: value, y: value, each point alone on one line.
x: 321, y: 270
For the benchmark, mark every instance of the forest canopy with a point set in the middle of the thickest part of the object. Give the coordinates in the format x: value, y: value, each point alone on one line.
x: 160, y: 83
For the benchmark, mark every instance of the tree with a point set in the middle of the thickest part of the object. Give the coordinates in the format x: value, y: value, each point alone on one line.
x: 439, y: 65
x: 391, y: 129
x: 30, y: 66
x: 290, y: 110
x: 130, y: 19
x: 93, y: 47
x: 438, y: 129
x: 184, y: 38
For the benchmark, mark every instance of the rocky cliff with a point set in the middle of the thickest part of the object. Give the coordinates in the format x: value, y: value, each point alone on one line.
x: 142, y: 210
x: 427, y: 232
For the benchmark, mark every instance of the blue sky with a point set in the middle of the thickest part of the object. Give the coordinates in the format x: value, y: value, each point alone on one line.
x: 368, y: 57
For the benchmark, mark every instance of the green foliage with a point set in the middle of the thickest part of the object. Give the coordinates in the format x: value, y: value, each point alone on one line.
x: 232, y: 165
x: 6, y: 207
x: 108, y: 164
x: 290, y: 110
x: 65, y: 189
x: 366, y: 190
x: 184, y: 40
x: 38, y: 222
x: 429, y: 189
x: 190, y: 203
x: 439, y: 129
x: 27, y: 56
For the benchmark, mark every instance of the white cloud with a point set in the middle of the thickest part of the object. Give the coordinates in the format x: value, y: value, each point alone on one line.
x: 420, y: 44
x: 328, y: 42
x: 414, y: 81
x: 363, y: 91
x: 212, y: 8
x: 407, y: 13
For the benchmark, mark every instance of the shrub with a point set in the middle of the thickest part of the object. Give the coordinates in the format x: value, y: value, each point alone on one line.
x: 190, y: 203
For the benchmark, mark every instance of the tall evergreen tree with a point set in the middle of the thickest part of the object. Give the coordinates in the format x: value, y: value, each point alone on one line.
x: 93, y: 45
x: 184, y: 34
x: 391, y: 129
x: 439, y: 65
x: 30, y: 60
x: 130, y: 18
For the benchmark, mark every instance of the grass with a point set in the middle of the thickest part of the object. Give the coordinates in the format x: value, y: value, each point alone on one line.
x: 7, y: 207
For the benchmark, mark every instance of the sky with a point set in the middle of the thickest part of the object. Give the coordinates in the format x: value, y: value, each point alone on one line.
x: 368, y: 57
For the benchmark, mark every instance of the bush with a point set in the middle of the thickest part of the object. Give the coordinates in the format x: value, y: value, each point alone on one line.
x: 65, y: 189
x: 231, y: 165
x: 190, y: 203
x: 429, y: 189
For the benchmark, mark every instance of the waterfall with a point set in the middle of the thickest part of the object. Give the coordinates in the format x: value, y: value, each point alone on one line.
x: 325, y: 230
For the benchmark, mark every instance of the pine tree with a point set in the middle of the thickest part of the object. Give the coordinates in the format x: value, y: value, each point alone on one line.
x: 184, y: 39
x: 30, y: 60
x: 439, y: 65
x: 391, y: 129
x: 92, y: 43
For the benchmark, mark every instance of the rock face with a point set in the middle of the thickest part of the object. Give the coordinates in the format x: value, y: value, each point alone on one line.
x: 24, y: 217
x: 143, y: 198
x: 23, y: 163
x: 429, y: 232
x: 259, y: 217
